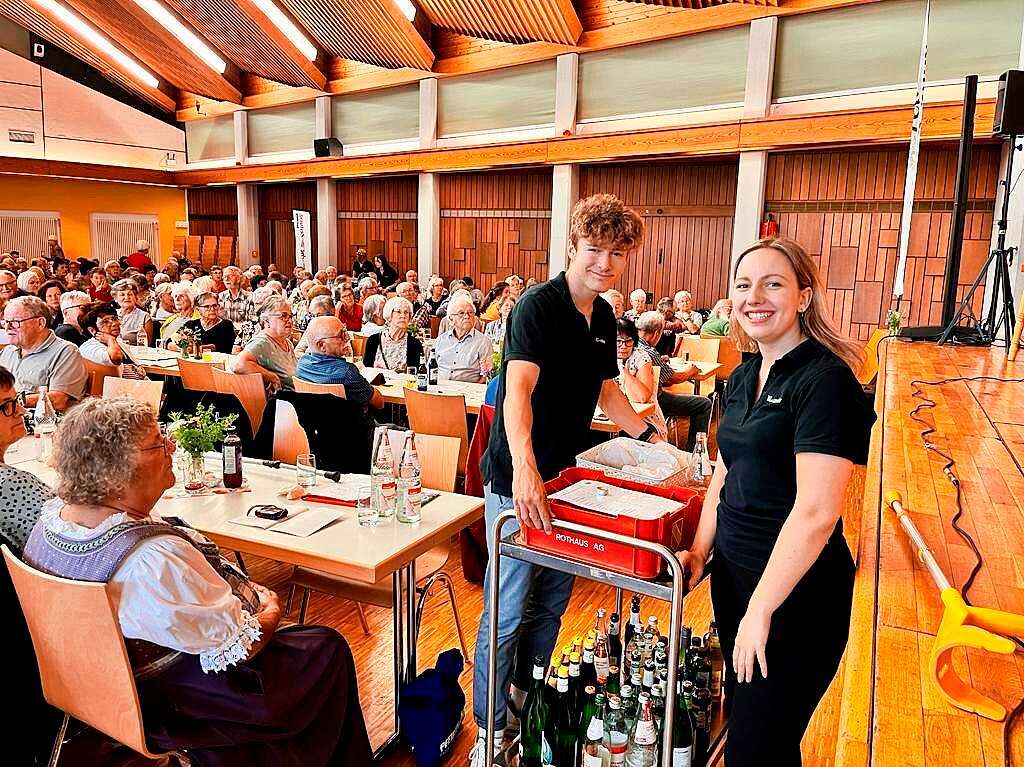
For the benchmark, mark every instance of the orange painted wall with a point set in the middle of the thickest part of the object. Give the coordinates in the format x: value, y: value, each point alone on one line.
x: 75, y: 200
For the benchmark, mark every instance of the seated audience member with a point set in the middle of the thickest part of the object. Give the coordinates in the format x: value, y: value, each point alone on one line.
x: 516, y: 286
x: 474, y: 291
x: 73, y: 305
x: 60, y: 270
x: 410, y: 293
x: 462, y: 351
x: 143, y: 293
x: 530, y: 282
x: 435, y: 297
x: 320, y: 306
x: 618, y: 303
x: 373, y: 311
x: 348, y: 311
x: 362, y: 265
x: 317, y: 294
x: 694, y: 407
x: 8, y: 285
x: 446, y: 323
x: 184, y: 310
x: 717, y: 323
x: 324, y: 362
x: 490, y: 307
x: 453, y: 287
x: 300, y: 298
x: 667, y: 344
x: 217, y: 275
x: 413, y: 278
x: 234, y: 299
x: 393, y: 348
x: 215, y: 334
x: 368, y: 286
x: 106, y: 345
x: 251, y: 325
x: 638, y: 378
x: 686, y: 314
x: 163, y: 301
x: 495, y: 330
x: 113, y: 270
x: 140, y: 258
x: 638, y: 302
x: 55, y: 251
x: 22, y: 495
x: 217, y: 675
x: 99, y: 286
x: 51, y: 291
x: 271, y: 352
x: 134, y: 319
x: 29, y: 282
x: 37, y: 357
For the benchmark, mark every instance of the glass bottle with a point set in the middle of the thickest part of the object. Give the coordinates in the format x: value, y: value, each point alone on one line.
x: 45, y: 417
x: 682, y: 731
x: 714, y: 645
x: 594, y: 752
x: 410, y: 488
x: 615, y: 735
x: 634, y: 626
x: 699, y: 472
x: 562, y: 730
x: 383, y: 487
x: 231, y: 459
x: 432, y: 370
x: 642, y: 749
x: 533, y: 750
x: 614, y: 642
x: 601, y: 662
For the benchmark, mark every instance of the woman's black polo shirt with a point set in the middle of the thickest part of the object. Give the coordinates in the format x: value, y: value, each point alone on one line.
x: 574, y: 358
x: 811, y: 403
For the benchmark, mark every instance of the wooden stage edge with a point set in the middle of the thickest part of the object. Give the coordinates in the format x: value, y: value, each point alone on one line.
x: 883, y: 709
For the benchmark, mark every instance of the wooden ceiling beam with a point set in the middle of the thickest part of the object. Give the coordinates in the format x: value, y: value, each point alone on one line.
x: 23, y: 166
x: 517, y: 21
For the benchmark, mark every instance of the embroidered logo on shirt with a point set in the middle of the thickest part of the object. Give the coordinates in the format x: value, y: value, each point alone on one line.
x: 774, y: 400
x: 599, y: 340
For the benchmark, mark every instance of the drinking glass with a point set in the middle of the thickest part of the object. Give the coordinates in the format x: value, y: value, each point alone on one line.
x: 305, y: 470
x: 366, y: 514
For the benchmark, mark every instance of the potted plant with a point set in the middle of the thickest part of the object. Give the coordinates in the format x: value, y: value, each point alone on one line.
x: 195, y: 435
x: 189, y: 342
x: 894, y: 320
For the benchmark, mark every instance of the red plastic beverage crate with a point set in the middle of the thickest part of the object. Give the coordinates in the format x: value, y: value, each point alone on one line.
x: 611, y: 555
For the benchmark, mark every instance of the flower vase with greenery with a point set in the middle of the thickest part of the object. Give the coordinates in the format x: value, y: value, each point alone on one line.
x: 197, y: 434
x: 493, y: 367
x: 894, y: 320
x: 189, y: 343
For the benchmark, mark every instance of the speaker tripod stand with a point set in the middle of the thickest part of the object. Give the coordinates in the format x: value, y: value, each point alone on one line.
x: 966, y: 327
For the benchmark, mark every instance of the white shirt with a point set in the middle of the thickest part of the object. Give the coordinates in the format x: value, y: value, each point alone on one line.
x: 459, y: 359
x: 167, y: 593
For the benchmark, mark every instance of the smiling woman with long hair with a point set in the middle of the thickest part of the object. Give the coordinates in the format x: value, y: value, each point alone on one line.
x: 795, y: 422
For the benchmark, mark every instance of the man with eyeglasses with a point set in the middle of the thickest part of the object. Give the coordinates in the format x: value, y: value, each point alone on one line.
x: 73, y: 305
x: 462, y: 350
x: 8, y: 286
x: 37, y: 357
x: 325, y: 362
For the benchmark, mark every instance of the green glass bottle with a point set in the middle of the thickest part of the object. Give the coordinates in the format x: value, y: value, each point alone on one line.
x: 533, y: 748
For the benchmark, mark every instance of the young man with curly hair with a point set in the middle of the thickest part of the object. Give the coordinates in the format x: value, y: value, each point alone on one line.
x: 559, y: 363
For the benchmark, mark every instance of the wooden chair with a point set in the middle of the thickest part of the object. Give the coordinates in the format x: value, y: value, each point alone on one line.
x: 358, y: 344
x: 198, y: 376
x: 308, y: 387
x: 870, y: 369
x: 248, y: 388
x: 290, y: 438
x: 728, y: 356
x: 440, y: 414
x: 699, y: 349
x: 83, y: 663
x: 151, y: 392
x: 97, y: 374
x: 435, y: 324
x: 438, y: 461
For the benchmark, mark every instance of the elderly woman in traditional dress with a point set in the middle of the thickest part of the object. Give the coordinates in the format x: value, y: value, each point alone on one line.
x: 216, y: 675
x: 393, y: 348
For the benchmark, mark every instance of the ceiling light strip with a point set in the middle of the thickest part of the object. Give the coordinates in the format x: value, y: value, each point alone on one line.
x: 287, y: 27
x: 186, y: 36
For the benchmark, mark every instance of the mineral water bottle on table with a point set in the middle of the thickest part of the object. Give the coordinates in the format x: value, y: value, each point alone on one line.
x: 410, y: 489
x: 382, y: 478
x: 45, y: 417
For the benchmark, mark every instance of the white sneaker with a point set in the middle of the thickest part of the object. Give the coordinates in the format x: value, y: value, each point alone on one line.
x: 478, y: 754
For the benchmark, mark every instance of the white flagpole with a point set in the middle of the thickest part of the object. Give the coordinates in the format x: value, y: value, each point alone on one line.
x: 912, y: 157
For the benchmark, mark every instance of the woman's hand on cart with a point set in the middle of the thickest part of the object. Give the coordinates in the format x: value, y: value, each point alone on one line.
x: 693, y: 562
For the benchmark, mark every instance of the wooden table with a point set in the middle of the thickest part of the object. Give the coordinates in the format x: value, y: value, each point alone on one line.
x: 164, y: 362
x: 365, y: 554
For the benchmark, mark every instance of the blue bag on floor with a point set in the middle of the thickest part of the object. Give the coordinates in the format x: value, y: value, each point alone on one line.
x: 432, y: 708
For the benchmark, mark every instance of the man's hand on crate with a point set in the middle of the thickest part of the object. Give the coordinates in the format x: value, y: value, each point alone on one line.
x: 530, y: 498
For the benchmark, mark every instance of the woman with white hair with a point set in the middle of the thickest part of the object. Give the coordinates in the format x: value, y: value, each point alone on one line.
x: 393, y: 348
x: 637, y: 300
x: 29, y: 281
x: 163, y: 300
x: 373, y: 311
x: 435, y: 297
x: 184, y: 310
x: 685, y: 313
x: 271, y: 352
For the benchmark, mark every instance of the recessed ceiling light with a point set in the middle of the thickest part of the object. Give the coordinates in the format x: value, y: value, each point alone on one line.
x: 186, y: 36
x: 288, y: 27
x: 406, y: 7
x: 100, y: 42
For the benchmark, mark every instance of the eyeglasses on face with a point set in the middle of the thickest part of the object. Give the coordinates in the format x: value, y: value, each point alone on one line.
x: 281, y: 316
x: 166, y: 440
x: 466, y: 313
x: 16, y: 324
x: 209, y: 306
x: 624, y: 342
x: 9, y: 407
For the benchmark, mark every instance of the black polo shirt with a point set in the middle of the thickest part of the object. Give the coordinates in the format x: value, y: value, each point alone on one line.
x: 811, y: 403
x: 221, y: 336
x: 574, y: 358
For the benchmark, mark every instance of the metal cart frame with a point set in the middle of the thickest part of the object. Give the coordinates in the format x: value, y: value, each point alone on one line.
x: 672, y: 593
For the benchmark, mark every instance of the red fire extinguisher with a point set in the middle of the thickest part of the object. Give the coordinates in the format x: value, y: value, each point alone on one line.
x: 769, y: 227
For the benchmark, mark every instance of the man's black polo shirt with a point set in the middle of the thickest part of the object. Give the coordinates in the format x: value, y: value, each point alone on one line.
x: 811, y: 403
x: 546, y: 328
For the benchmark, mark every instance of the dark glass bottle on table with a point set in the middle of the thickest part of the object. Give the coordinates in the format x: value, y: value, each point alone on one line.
x: 432, y: 371
x: 614, y: 641
x: 562, y: 730
x: 634, y: 626
x: 231, y: 459
x: 421, y: 377
x: 533, y: 750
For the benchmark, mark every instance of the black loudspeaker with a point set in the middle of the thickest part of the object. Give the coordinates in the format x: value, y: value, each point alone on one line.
x: 327, y: 147
x: 1009, y: 118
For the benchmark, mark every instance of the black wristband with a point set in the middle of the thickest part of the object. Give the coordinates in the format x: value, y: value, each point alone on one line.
x: 646, y: 434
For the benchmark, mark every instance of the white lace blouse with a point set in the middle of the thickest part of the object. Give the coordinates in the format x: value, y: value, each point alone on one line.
x: 168, y: 594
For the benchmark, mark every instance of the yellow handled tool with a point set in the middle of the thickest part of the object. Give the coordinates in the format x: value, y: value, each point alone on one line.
x: 961, y: 626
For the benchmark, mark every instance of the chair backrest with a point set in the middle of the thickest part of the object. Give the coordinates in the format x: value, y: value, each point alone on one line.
x: 439, y: 461
x: 699, y: 349
x: 150, y: 392
x: 440, y: 414
x: 290, y: 438
x: 97, y: 374
x: 83, y: 663
x: 198, y: 376
x: 870, y: 369
x: 248, y: 388
x: 358, y: 344
x: 728, y: 356
x: 308, y: 387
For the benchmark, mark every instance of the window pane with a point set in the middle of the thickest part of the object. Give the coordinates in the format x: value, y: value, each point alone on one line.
x: 387, y: 115
x: 282, y: 129
x: 212, y: 139
x: 682, y: 73
x: 878, y: 45
x: 516, y: 97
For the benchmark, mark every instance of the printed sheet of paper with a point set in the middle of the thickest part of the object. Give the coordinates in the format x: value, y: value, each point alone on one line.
x: 615, y: 501
x: 350, y: 488
x: 301, y: 521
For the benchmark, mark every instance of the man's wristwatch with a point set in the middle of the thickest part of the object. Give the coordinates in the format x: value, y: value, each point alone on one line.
x: 646, y: 434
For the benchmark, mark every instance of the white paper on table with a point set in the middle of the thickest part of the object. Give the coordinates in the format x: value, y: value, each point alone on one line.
x: 301, y: 521
x: 375, y: 376
x: 350, y: 488
x: 251, y: 520
x: 615, y: 501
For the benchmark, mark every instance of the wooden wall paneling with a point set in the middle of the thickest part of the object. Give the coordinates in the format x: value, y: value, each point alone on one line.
x: 212, y: 211
x: 845, y: 206
x: 276, y: 202
x: 379, y: 215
